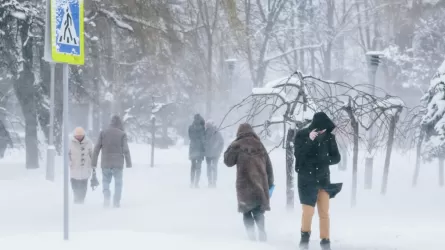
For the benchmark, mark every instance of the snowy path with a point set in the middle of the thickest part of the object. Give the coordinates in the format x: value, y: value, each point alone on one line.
x: 159, y: 209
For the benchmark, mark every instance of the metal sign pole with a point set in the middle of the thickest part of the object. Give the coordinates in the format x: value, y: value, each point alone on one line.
x: 65, y: 153
x: 67, y: 47
x: 50, y: 151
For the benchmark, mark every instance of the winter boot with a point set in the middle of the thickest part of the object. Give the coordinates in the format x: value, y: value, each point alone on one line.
x: 260, y: 222
x: 249, y: 223
x: 304, y: 241
x: 262, y: 236
x: 325, y: 244
x: 197, y: 177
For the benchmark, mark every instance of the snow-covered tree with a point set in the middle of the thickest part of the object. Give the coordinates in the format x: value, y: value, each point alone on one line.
x: 433, y: 122
x: 20, y: 27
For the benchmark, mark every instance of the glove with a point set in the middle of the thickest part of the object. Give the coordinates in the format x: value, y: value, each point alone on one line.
x: 271, y: 190
x: 94, y: 182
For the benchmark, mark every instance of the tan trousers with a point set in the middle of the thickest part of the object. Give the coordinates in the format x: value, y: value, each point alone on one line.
x: 323, y: 214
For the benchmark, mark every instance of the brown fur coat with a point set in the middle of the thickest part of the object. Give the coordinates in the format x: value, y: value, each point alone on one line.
x: 254, y: 174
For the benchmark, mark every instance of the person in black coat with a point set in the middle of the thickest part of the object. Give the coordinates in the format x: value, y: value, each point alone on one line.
x: 196, y: 149
x: 315, y: 150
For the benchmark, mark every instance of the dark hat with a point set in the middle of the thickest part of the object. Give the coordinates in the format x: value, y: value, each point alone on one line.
x: 321, y: 121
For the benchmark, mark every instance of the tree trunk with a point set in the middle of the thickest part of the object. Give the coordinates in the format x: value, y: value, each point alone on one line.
x: 302, y: 22
x: 355, y: 128
x: 441, y: 171
x: 354, y: 167
x: 328, y: 50
x: 369, y: 169
x: 153, y: 140
x: 290, y: 193
x: 418, y: 157
x: 96, y: 59
x: 209, y: 94
x: 312, y: 51
x: 26, y: 94
x: 389, y: 145
x: 343, y: 165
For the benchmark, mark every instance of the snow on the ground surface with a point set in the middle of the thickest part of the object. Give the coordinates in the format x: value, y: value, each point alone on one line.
x: 160, y: 211
x: 126, y: 240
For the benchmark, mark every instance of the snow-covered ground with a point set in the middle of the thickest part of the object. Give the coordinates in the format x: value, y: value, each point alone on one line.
x: 160, y: 211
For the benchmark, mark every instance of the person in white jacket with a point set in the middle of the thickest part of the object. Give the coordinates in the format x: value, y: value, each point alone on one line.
x: 81, y: 152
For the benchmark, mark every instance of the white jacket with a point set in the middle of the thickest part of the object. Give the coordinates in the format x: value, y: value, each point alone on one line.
x: 80, y: 158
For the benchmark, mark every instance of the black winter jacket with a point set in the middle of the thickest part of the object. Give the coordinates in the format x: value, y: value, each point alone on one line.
x: 197, y: 138
x: 313, y: 158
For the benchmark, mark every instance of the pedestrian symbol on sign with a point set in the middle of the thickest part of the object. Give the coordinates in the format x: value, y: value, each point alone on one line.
x: 68, y: 36
x: 68, y: 33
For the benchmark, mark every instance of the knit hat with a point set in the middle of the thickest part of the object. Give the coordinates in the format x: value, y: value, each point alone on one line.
x: 210, y: 123
x: 79, y: 131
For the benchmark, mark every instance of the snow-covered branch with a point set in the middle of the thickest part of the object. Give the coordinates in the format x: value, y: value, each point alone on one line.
x: 116, y: 19
x: 270, y: 58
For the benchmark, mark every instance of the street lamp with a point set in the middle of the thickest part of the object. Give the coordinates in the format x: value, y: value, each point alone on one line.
x: 231, y: 62
x: 373, y: 59
x: 229, y: 69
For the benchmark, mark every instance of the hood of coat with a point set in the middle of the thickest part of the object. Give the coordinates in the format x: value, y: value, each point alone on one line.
x: 244, y: 130
x: 85, y: 140
x: 321, y: 121
x: 211, y: 127
x: 198, y: 120
x: 116, y: 122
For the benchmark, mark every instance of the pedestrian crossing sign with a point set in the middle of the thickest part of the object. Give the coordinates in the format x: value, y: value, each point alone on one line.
x: 67, y: 38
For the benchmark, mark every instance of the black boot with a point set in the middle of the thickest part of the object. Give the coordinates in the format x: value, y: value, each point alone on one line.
x: 197, y: 174
x: 193, y: 174
x: 260, y: 222
x: 325, y: 244
x: 304, y: 241
x: 249, y: 223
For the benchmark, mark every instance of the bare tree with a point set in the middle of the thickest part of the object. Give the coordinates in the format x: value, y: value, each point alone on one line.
x: 291, y: 99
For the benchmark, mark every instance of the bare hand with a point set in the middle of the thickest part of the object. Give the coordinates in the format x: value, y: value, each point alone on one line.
x: 313, y: 135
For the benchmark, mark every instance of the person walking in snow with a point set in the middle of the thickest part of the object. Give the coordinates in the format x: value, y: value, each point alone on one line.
x: 80, y: 154
x: 214, y: 145
x: 196, y: 149
x: 315, y: 150
x: 114, y: 146
x: 254, y: 178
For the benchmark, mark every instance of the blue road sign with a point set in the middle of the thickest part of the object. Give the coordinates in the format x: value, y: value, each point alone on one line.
x: 67, y: 35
